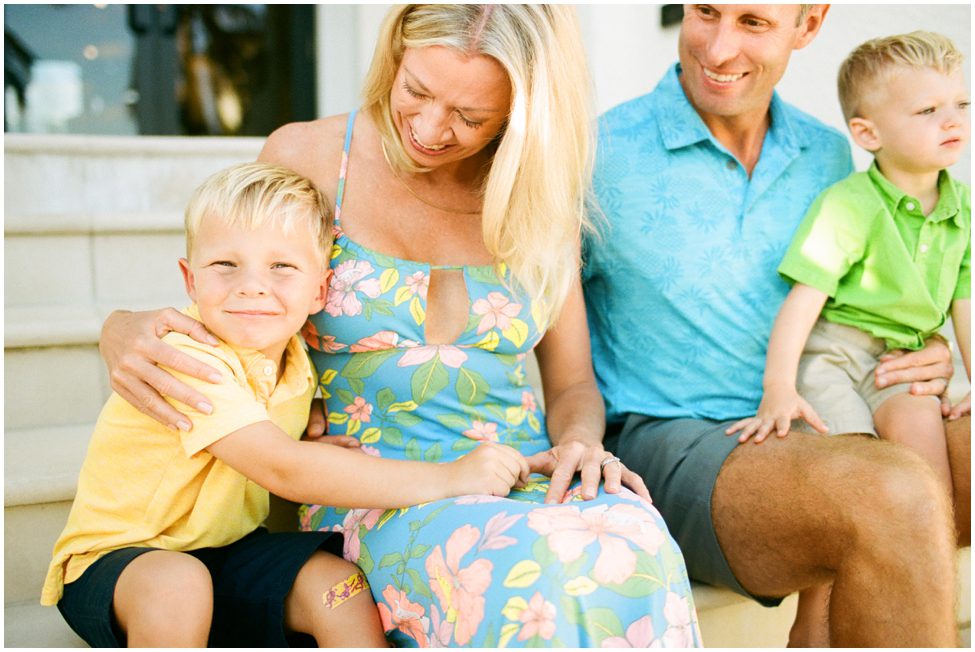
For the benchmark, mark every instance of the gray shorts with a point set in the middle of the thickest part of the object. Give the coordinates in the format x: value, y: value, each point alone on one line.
x: 679, y: 460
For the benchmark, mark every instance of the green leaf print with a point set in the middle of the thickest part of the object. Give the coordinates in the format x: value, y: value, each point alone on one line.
x: 454, y: 422
x: 471, y: 387
x: 433, y: 454
x: 601, y: 623
x: 542, y: 553
x: 483, y: 275
x: 428, y: 380
x: 365, y: 561
x: 384, y: 398
x: 575, y: 568
x: 464, y: 444
x: 365, y: 364
x: 572, y: 610
x: 406, y: 419
x: 645, y: 579
x: 393, y: 436
x: 413, y: 451
x: 357, y: 386
x: 384, y: 262
x: 419, y: 551
x: 345, y: 396
x: 418, y: 584
x: 390, y: 559
x: 382, y: 306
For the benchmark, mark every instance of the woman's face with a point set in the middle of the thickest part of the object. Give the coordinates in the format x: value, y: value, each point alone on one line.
x: 446, y: 105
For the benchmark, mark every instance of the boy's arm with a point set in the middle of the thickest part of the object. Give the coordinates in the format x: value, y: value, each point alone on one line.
x: 780, y: 402
x: 961, y: 317
x: 309, y: 472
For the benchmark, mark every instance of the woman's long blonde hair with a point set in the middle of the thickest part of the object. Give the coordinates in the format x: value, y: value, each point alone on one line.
x: 537, y: 192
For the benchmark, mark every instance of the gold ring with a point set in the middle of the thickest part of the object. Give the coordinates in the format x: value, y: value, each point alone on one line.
x: 610, y: 460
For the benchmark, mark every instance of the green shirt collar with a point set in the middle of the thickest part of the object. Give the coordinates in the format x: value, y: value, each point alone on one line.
x: 949, y: 203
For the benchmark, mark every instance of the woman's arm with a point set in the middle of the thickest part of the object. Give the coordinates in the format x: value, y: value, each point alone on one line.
x: 131, y: 346
x: 574, y: 411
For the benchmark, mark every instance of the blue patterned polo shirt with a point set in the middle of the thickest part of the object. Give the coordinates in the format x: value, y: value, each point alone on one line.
x: 681, y: 285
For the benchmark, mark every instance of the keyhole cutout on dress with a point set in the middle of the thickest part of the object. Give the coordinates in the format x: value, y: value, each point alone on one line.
x: 448, y: 306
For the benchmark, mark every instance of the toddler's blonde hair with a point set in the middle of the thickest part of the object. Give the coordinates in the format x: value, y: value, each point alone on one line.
x: 251, y: 195
x: 871, y: 64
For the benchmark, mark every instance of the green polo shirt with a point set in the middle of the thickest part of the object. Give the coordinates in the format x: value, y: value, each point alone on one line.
x: 888, y: 269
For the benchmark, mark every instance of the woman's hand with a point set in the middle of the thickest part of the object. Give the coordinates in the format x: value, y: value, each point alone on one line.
x: 778, y: 408
x: 563, y: 461
x: 315, y: 430
x: 961, y: 408
x: 131, y: 347
x: 928, y: 370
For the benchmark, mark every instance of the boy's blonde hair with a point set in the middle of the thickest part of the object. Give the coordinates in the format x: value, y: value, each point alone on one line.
x: 538, y: 186
x: 252, y: 195
x: 871, y: 64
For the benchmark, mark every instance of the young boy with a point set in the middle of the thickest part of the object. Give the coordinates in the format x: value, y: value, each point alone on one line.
x: 879, y: 262
x: 164, y: 544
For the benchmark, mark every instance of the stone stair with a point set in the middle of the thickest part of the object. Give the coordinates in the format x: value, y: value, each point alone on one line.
x: 93, y: 224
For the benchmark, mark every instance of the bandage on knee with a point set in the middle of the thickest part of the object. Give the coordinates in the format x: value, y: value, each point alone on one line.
x: 347, y: 588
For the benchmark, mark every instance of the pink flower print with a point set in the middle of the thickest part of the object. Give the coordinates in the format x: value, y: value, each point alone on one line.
x: 451, y: 356
x: 494, y: 529
x: 419, y: 283
x: 349, y: 528
x: 378, y: 342
x: 403, y: 615
x: 638, y: 634
x: 528, y: 401
x: 478, y: 500
x: 347, y: 280
x: 681, y: 624
x: 482, y: 431
x: 371, y: 451
x: 497, y: 311
x: 538, y: 619
x: 359, y: 409
x: 318, y: 342
x: 304, y: 516
x: 441, y: 630
x: 460, y: 590
x: 570, y: 530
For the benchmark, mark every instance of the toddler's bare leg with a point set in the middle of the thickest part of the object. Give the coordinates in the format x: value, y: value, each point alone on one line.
x: 915, y: 421
x: 333, y: 621
x: 811, y: 626
x: 164, y: 599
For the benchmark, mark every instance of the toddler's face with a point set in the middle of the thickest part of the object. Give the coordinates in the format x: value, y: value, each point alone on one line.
x: 256, y: 288
x: 921, y: 119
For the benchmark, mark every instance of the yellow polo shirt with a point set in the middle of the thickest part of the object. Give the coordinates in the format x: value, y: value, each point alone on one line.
x: 143, y: 484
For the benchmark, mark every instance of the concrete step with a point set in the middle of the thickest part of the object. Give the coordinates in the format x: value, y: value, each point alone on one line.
x: 28, y: 624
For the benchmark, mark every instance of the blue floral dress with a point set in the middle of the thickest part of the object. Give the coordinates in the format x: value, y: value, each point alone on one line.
x: 477, y: 571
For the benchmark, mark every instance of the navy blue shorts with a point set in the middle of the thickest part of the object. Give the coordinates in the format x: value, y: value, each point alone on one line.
x: 251, y: 579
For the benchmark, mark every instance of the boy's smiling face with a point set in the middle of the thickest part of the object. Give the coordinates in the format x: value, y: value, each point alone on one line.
x: 917, y: 121
x: 255, y: 288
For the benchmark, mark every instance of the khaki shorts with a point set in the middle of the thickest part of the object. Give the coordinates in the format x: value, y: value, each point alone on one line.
x: 836, y: 377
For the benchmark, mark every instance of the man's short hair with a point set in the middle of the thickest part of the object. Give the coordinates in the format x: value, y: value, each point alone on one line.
x: 872, y: 63
x: 252, y: 195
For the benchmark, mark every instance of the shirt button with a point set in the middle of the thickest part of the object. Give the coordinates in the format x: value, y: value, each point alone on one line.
x: 731, y: 164
x: 924, y: 249
x: 268, y: 370
x: 909, y: 205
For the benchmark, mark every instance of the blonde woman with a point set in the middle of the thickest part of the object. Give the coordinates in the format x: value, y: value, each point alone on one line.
x: 460, y: 194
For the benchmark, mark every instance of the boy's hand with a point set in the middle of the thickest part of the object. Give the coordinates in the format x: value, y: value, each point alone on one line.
x: 315, y: 430
x: 961, y: 408
x: 488, y: 469
x: 778, y: 408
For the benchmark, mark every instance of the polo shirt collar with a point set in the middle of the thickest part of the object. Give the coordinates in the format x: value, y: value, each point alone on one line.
x: 675, y: 109
x: 949, y: 203
x: 262, y: 373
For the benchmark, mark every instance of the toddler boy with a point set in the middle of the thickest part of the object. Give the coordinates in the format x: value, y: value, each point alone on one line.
x: 880, y: 261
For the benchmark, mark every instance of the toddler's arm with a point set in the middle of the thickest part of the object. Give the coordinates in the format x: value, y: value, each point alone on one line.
x: 308, y: 472
x: 961, y: 317
x: 781, y: 402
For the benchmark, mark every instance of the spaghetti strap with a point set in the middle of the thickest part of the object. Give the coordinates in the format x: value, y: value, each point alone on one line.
x: 340, y: 191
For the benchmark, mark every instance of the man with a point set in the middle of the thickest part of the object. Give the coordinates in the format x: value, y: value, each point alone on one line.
x: 703, y: 182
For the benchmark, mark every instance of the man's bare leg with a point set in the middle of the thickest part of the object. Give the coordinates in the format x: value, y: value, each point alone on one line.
x: 811, y: 626
x: 867, y: 515
x: 959, y: 438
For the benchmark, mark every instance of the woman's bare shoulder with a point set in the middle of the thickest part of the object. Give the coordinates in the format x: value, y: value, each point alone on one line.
x: 306, y: 146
